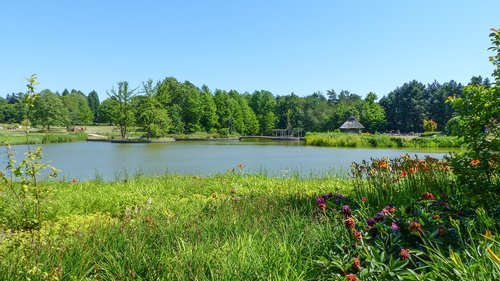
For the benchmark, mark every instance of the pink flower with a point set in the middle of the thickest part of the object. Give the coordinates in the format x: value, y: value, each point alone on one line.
x: 394, y: 227
x: 404, y: 254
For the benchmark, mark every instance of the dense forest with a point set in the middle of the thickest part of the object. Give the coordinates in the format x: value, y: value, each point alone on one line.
x: 171, y: 106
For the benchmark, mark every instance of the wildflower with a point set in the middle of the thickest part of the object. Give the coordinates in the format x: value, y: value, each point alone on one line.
x: 404, y: 254
x: 74, y: 181
x: 394, y: 227
x: 413, y: 170
x: 380, y: 216
x: 327, y: 195
x: 371, y: 222
x: 349, y: 222
x: 340, y: 196
x: 351, y: 277
x: 389, y: 209
x: 241, y: 166
x: 364, y: 199
x: 346, y: 210
x: 322, y: 206
x: 320, y: 200
x: 475, y: 162
x: 436, y: 216
x: 383, y: 165
x: 415, y: 226
x: 403, y: 174
x: 356, y: 264
x: 428, y: 196
x: 357, y: 235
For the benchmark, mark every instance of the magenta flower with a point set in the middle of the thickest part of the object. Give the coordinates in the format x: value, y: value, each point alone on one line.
x: 320, y: 200
x: 394, y: 227
x: 346, y: 210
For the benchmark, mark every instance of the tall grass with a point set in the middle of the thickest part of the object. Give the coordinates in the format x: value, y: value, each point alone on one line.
x: 174, y: 228
x: 229, y: 227
x: 38, y: 138
x: 379, y: 140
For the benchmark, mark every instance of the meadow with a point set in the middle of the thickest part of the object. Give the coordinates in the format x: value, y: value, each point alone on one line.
x: 394, y: 219
x: 337, y: 139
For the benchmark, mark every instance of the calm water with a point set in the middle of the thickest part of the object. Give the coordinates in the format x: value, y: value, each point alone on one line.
x: 88, y: 160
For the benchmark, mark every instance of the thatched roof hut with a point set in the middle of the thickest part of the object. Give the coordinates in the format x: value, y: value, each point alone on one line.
x: 352, y: 125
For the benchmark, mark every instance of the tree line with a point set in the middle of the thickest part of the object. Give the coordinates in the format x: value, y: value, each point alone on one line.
x: 170, y: 106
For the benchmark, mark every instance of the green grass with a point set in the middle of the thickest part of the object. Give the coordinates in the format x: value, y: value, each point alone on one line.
x: 37, y: 138
x: 379, y: 140
x: 222, y: 227
x: 216, y: 228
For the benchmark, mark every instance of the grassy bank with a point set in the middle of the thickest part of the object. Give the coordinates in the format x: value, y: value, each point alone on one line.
x: 174, y: 228
x: 38, y: 138
x: 379, y: 140
x: 225, y: 227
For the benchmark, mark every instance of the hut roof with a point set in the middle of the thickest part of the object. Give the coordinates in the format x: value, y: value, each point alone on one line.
x: 352, y: 123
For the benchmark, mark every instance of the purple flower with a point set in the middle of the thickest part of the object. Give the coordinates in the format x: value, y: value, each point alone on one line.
x: 346, y: 210
x: 394, y: 227
x: 320, y: 200
x: 327, y: 195
x: 371, y: 222
x: 340, y: 196
x: 380, y: 216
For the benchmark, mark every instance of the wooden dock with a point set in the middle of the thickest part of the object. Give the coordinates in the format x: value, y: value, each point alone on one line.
x: 272, y: 138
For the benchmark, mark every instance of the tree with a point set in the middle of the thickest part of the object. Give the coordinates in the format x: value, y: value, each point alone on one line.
x: 289, y: 111
x: 264, y: 105
x: 317, y: 112
x: 406, y: 107
x: 93, y: 101
x: 152, y: 116
x: 105, y: 111
x: 78, y: 108
x: 122, y: 114
x: 49, y: 110
x: 208, y: 118
x: 372, y: 114
x: 478, y: 114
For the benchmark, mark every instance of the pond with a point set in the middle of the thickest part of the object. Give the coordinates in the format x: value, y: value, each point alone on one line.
x: 111, y: 161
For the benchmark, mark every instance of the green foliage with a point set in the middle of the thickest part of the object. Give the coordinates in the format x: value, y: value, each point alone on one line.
x: 405, y: 107
x: 78, y: 108
x: 49, y: 110
x: 209, y: 111
x: 424, y: 239
x: 263, y: 105
x: 174, y: 228
x: 93, y: 101
x: 152, y: 116
x: 478, y: 124
x: 23, y: 200
x: 22, y: 197
x: 379, y: 140
x: 122, y: 112
x: 430, y: 125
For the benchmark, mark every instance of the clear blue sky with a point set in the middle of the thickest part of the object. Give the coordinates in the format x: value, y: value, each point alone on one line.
x: 280, y: 46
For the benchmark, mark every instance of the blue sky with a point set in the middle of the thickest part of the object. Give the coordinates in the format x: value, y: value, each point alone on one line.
x: 280, y: 46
